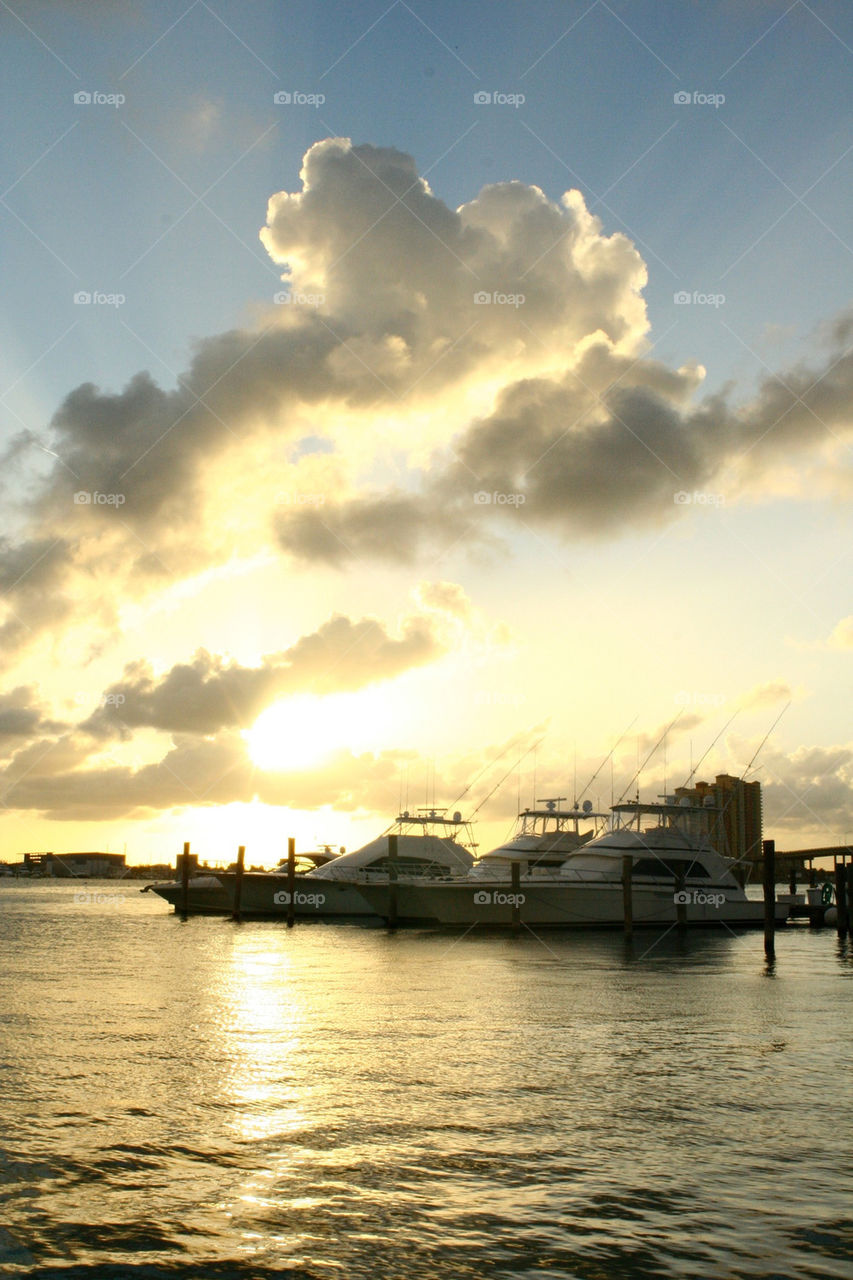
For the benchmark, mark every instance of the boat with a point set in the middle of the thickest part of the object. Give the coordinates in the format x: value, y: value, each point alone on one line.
x: 429, y: 847
x: 678, y: 875
x: 211, y: 892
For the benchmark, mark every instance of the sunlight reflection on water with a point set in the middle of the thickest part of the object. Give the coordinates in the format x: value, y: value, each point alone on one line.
x: 205, y: 1098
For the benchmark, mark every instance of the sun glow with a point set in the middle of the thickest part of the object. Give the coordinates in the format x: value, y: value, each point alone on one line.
x: 302, y: 731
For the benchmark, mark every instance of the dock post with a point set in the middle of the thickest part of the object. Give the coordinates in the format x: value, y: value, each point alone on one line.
x: 627, y: 894
x: 185, y: 880
x: 769, y: 850
x: 238, y: 883
x: 515, y: 877
x: 841, y: 903
x: 681, y: 900
x: 849, y: 903
x: 291, y: 881
x: 392, y: 882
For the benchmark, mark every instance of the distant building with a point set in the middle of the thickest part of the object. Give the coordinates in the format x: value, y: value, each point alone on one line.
x: 738, y: 822
x: 64, y: 865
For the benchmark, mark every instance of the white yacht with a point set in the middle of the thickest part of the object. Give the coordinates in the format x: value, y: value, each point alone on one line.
x: 675, y: 865
x: 429, y: 847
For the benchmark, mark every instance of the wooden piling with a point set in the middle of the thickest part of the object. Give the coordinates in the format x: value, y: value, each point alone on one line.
x: 291, y: 882
x: 185, y: 881
x: 627, y: 894
x: 238, y: 883
x: 515, y: 880
x: 769, y: 851
x: 392, y: 881
x: 849, y: 870
x: 841, y: 903
x: 681, y: 900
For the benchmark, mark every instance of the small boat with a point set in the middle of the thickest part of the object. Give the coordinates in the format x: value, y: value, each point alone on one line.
x: 677, y: 876
x: 428, y: 848
x: 212, y: 892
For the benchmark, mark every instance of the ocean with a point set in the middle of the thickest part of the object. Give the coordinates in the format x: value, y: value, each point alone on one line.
x: 208, y: 1099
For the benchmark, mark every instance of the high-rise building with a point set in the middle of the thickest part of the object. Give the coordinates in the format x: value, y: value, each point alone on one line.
x: 736, y: 826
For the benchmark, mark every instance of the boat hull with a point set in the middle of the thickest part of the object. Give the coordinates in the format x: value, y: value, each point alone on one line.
x: 562, y: 906
x: 266, y: 896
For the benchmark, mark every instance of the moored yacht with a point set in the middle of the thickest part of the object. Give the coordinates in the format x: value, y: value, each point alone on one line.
x: 429, y: 847
x: 676, y: 873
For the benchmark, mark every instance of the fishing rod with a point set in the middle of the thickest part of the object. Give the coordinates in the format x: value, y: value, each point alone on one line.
x: 609, y: 756
x: 515, y: 765
x: 651, y: 753
x: 512, y: 742
x: 713, y: 744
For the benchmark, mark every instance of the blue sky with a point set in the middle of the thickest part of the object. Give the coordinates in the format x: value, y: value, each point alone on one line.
x: 738, y: 198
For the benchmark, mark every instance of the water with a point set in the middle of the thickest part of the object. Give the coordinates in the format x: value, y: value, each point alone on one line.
x: 206, y: 1099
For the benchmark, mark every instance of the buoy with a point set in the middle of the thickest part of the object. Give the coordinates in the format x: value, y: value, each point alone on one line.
x: 826, y: 893
x: 830, y: 916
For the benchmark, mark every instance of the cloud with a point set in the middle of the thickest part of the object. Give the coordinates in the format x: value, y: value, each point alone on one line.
x: 209, y: 694
x: 841, y: 636
x: 613, y: 444
x: 23, y: 716
x: 506, y: 343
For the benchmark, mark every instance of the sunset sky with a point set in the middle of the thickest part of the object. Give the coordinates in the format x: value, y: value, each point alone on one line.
x: 388, y: 388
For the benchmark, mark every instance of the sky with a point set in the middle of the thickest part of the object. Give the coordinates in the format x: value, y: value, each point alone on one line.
x: 421, y: 404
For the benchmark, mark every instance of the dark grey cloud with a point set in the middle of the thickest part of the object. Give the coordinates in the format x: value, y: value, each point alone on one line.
x: 612, y: 445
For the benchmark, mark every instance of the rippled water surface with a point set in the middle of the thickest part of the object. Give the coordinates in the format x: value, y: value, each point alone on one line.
x: 210, y: 1099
